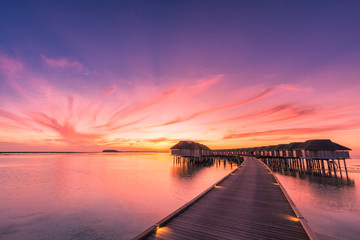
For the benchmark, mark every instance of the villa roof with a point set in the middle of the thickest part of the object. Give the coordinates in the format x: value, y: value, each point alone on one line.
x: 281, y: 147
x: 272, y: 148
x: 293, y: 145
x: 189, y: 145
x: 263, y: 148
x: 320, y: 144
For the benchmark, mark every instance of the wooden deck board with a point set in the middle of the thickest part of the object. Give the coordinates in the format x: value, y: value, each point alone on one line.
x: 248, y: 205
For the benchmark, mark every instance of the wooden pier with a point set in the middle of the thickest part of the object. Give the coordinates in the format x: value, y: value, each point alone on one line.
x: 248, y: 204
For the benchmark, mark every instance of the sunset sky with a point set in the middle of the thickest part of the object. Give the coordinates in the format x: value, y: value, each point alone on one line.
x: 142, y: 75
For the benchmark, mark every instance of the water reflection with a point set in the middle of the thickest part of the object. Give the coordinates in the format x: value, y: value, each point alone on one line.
x: 185, y: 169
x: 325, y: 180
x: 94, y: 196
x: 330, y: 205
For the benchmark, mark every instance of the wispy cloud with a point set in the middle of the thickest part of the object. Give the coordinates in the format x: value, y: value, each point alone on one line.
x: 121, y: 114
x: 66, y: 129
x: 120, y: 126
x: 145, y: 116
x: 262, y: 94
x: 289, y: 131
x: 162, y: 139
x: 62, y: 63
x: 20, y: 121
x: 110, y: 90
x: 10, y: 67
x: 295, y: 88
x: 203, y: 84
x: 261, y: 113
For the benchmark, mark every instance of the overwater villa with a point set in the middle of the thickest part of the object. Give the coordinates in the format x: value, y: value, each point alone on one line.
x: 190, y: 149
x: 320, y: 156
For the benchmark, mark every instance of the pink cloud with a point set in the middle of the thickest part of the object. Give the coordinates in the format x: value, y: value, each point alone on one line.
x: 119, y: 115
x: 162, y: 139
x: 264, y: 93
x: 65, y: 117
x: 205, y: 83
x: 125, y: 125
x: 292, y: 131
x: 294, y: 88
x: 10, y: 67
x: 109, y: 90
x: 261, y: 113
x: 21, y: 121
x: 66, y: 130
x: 9, y: 115
x: 274, y: 139
x: 62, y: 63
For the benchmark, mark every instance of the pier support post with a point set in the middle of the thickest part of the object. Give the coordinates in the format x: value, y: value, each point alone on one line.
x: 322, y: 167
x: 333, y: 162
x: 340, y: 168
x: 303, y: 165
x: 329, y: 167
x: 286, y: 164
x: 347, y: 176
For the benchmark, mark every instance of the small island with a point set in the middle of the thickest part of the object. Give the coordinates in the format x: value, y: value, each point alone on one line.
x: 110, y: 150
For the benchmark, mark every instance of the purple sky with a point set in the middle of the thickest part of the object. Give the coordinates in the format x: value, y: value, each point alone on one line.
x: 86, y: 75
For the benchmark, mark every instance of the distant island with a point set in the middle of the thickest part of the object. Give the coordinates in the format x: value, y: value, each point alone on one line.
x: 134, y: 151
x: 110, y: 150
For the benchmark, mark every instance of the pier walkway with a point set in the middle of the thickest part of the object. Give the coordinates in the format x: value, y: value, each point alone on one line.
x: 248, y: 204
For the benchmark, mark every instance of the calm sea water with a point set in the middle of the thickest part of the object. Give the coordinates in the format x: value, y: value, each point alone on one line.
x: 94, y: 196
x: 116, y: 196
x: 330, y: 205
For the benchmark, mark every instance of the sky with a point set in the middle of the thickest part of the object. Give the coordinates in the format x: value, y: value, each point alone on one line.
x: 142, y: 75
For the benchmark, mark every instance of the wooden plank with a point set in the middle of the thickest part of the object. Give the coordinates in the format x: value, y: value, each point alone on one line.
x: 248, y: 205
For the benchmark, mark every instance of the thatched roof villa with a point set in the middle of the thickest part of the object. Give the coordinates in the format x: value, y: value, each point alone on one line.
x: 190, y: 149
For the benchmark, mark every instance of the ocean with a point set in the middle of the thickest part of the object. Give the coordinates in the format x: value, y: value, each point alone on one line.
x: 330, y: 205
x: 94, y: 195
x: 119, y: 195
